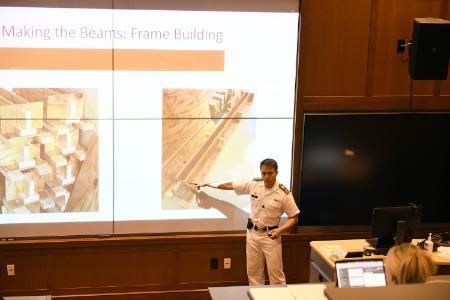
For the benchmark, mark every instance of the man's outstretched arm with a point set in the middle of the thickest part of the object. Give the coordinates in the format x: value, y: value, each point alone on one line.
x: 222, y: 186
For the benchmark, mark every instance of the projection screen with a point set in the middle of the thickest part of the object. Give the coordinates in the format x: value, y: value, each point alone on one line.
x: 109, y: 110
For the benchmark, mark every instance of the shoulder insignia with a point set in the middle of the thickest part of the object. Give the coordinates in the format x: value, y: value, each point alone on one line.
x: 283, y: 188
x: 257, y: 179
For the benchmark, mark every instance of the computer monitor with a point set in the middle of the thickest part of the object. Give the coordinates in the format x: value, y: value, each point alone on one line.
x: 360, y: 273
x: 395, y: 225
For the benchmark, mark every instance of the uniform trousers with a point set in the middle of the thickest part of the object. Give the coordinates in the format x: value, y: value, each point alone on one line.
x: 262, y: 248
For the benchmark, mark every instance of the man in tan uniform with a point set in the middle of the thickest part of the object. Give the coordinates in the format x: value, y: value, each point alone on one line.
x: 269, y: 200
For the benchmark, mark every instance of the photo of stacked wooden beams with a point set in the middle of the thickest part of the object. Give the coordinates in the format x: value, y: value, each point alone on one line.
x: 48, y: 152
x: 197, y: 123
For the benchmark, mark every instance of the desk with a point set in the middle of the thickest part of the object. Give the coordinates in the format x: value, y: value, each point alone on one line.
x: 322, y: 266
x: 240, y: 292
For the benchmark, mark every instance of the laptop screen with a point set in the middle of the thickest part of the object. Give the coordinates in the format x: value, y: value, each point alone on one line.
x: 360, y: 273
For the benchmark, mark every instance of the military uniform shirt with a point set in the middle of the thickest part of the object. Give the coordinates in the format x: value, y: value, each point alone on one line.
x: 267, y: 205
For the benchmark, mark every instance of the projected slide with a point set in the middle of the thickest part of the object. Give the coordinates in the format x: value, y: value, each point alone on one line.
x: 104, y: 123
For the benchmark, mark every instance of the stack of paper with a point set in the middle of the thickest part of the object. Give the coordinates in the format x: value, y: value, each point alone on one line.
x: 333, y: 251
x: 443, y: 252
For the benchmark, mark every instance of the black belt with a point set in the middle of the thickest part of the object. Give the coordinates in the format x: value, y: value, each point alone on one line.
x: 250, y: 225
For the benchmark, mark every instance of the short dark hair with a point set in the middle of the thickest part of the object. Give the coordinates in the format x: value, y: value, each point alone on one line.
x: 269, y: 162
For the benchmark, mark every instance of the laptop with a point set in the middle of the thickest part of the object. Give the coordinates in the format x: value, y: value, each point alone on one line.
x: 360, y: 273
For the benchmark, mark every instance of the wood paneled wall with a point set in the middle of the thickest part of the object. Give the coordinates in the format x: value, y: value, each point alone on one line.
x: 335, y: 43
x: 154, y: 266
x: 348, y: 62
x: 139, y: 264
x: 349, y: 58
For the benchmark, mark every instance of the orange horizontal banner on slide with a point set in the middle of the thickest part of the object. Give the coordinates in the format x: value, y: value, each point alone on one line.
x: 109, y: 59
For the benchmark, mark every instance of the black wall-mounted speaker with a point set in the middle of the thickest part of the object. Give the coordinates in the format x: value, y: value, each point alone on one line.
x: 430, y: 49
